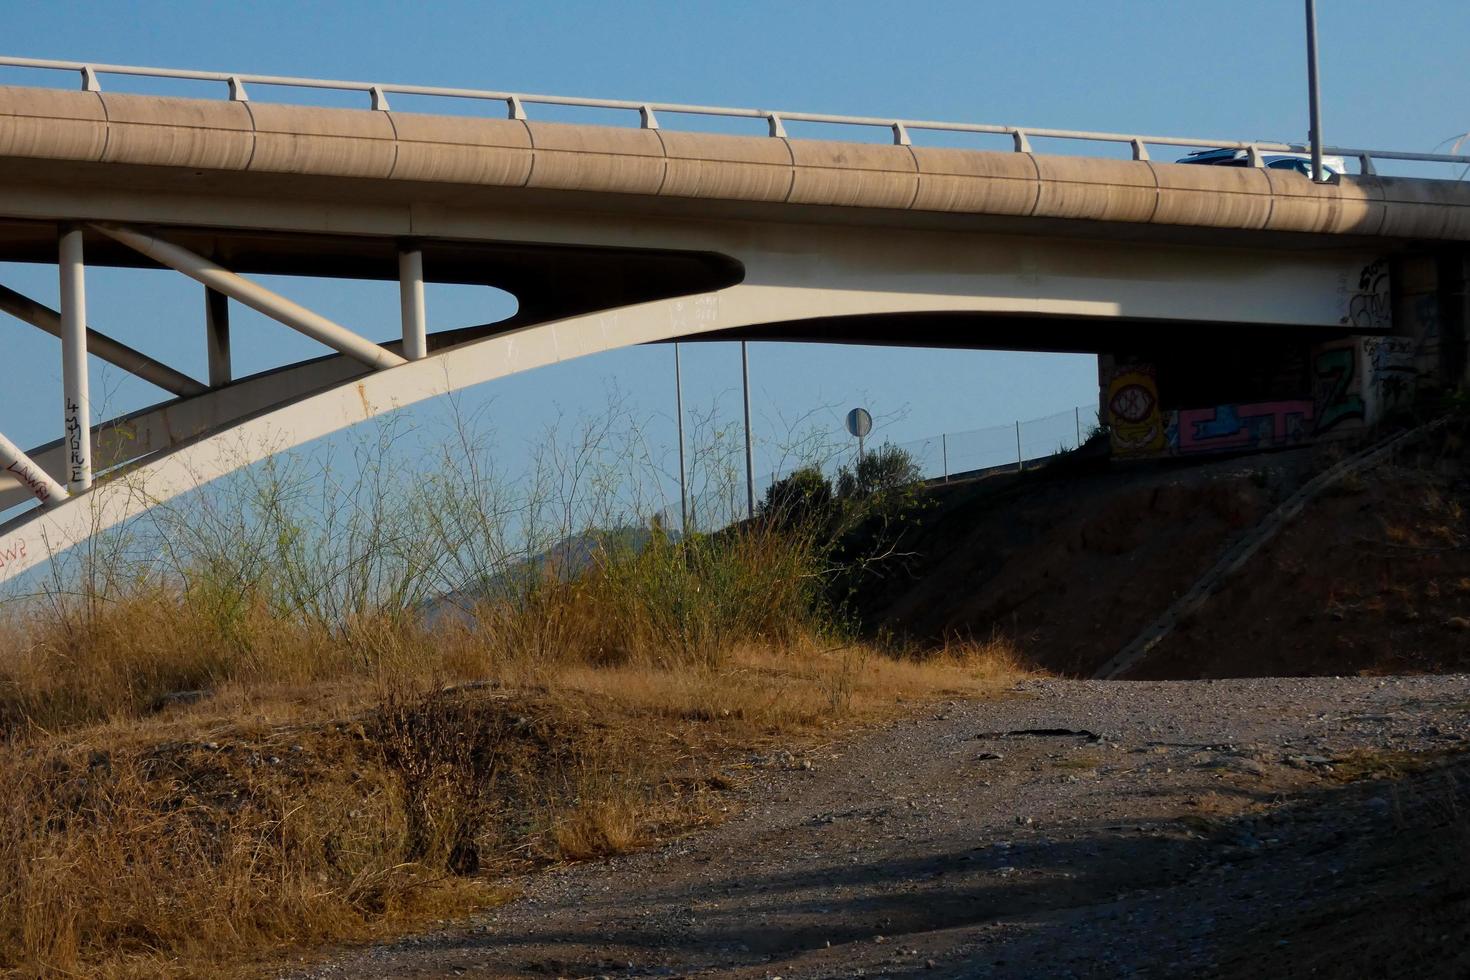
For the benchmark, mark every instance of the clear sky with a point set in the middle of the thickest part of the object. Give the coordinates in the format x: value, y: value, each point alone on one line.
x: 1394, y: 76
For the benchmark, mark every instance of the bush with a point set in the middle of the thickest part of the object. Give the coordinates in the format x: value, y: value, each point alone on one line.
x: 883, y: 471
x: 802, y: 499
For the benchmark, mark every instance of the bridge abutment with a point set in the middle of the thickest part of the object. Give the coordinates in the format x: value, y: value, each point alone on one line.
x: 1205, y: 391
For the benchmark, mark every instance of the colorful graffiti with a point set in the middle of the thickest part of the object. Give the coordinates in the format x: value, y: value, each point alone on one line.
x: 1133, y: 411
x: 1264, y: 425
x: 1336, y: 387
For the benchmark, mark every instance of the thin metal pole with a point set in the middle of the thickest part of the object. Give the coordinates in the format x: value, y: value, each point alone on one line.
x: 76, y: 405
x: 217, y: 336
x: 411, y: 293
x: 1314, y: 93
x: 679, y: 416
x: 1019, y: 464
x: 28, y: 473
x: 944, y: 453
x: 749, y: 438
x: 1077, y: 417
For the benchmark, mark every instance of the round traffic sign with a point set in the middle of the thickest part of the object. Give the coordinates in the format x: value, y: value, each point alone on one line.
x: 859, y: 422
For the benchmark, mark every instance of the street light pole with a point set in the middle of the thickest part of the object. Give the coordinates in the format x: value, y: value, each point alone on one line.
x: 1313, y: 93
x: 683, y: 470
x: 749, y: 438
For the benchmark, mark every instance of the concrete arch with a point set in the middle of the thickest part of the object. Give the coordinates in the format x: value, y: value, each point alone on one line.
x: 352, y: 397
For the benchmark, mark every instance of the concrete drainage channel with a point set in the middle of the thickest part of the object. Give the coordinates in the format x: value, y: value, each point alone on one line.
x: 1245, y: 547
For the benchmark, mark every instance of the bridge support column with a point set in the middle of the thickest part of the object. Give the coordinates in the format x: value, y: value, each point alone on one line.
x: 76, y: 403
x: 411, y: 292
x: 217, y: 336
x: 1454, y: 306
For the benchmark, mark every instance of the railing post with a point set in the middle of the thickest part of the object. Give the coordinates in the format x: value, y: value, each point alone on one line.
x: 217, y: 336
x: 1020, y: 464
x: 76, y: 405
x: 411, y: 294
x: 1077, y: 416
x: 944, y: 454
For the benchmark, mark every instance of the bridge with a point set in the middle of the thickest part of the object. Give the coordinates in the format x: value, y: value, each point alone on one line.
x: 610, y: 236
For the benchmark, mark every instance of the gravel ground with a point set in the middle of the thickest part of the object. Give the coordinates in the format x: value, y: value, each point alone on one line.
x: 1188, y: 828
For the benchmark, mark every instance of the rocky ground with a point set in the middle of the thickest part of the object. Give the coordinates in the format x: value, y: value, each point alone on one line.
x: 1263, y: 827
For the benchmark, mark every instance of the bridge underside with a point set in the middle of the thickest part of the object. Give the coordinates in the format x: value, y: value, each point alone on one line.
x: 594, y: 280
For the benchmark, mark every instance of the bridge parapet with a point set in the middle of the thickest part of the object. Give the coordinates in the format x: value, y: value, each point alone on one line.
x: 251, y: 140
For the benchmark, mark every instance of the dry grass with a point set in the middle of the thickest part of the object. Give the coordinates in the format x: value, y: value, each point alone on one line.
x: 264, y: 819
x: 258, y: 731
x: 330, y: 781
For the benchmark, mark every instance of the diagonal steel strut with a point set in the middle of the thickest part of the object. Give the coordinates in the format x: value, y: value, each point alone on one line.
x: 257, y: 297
x: 31, y: 476
x: 99, y: 345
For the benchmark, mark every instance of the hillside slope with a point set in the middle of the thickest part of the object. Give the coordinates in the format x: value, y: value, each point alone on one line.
x: 1373, y: 577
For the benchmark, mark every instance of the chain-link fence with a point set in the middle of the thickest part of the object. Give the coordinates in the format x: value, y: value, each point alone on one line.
x: 974, y: 451
x: 947, y: 456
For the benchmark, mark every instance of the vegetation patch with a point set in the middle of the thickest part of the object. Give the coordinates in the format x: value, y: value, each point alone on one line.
x: 276, y: 720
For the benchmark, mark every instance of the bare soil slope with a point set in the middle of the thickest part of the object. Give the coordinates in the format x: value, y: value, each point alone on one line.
x: 1373, y: 577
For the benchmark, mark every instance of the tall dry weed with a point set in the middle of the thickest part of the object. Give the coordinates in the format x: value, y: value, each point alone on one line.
x: 304, y: 711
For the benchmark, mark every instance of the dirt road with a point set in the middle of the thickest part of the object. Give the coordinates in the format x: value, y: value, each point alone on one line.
x: 1233, y: 828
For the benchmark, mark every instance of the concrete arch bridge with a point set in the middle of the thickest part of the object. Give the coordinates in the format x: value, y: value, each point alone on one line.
x: 611, y: 236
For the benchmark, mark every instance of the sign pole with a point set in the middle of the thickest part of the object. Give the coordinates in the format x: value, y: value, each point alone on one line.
x: 859, y: 423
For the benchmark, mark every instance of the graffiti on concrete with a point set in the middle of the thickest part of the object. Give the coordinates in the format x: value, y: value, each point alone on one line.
x: 12, y: 551
x: 1392, y: 374
x: 76, y: 459
x: 1133, y: 411
x: 1263, y: 425
x: 1370, y: 304
x: 31, y: 479
x: 1336, y: 387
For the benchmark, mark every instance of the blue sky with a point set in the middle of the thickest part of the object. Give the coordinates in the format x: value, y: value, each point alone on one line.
x: 1394, y: 76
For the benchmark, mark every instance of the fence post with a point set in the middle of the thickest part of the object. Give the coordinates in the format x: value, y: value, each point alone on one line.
x: 1077, y: 414
x: 1020, y: 465
x: 944, y: 453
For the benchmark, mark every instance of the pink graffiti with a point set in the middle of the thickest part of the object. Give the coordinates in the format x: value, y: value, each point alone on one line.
x: 1262, y: 425
x: 12, y: 551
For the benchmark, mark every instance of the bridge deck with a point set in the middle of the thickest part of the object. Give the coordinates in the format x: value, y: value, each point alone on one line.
x: 98, y: 145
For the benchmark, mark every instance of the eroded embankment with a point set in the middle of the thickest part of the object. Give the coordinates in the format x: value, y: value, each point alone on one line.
x: 1373, y: 576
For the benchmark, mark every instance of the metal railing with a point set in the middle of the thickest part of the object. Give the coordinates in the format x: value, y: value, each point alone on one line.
x: 516, y: 103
